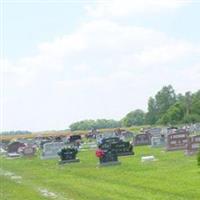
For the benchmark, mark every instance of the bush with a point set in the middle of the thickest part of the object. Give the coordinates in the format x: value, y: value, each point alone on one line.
x: 198, y: 158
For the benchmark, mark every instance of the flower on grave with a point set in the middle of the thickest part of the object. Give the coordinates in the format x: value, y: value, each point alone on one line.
x: 99, y: 153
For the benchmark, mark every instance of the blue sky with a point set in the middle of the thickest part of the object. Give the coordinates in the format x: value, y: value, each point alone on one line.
x: 65, y: 61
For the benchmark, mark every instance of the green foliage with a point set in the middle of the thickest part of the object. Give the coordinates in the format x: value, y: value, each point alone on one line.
x: 165, y: 98
x: 198, y: 158
x: 136, y: 117
x: 97, y: 124
x: 159, y: 105
x: 191, y: 118
x: 169, y: 108
x: 173, y: 115
x: 151, y: 116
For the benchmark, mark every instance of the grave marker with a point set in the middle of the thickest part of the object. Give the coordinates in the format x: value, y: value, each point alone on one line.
x: 157, y: 141
x: 14, y: 147
x: 193, y: 145
x: 68, y: 155
x: 121, y: 148
x: 28, y: 151
x: 50, y: 150
x: 142, y: 139
x: 177, y: 141
x: 107, y: 157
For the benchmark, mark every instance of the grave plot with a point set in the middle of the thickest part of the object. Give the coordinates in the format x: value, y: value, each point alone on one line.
x: 154, y: 132
x: 177, y: 141
x: 142, y: 139
x: 193, y: 145
x: 68, y: 155
x: 158, y: 141
x: 107, y: 157
x: 28, y: 151
x: 13, y: 149
x: 121, y: 148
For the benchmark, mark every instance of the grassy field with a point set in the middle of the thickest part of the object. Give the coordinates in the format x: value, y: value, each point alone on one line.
x: 172, y: 177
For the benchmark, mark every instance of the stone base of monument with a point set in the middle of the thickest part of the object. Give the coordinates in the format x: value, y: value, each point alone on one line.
x: 13, y: 155
x: 125, y: 154
x: 109, y: 163
x: 61, y: 162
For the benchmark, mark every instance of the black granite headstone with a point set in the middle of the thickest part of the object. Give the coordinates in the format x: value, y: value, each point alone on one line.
x: 68, y: 155
x: 107, y: 157
x: 115, y: 144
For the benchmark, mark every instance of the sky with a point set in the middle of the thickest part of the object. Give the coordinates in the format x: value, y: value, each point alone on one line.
x: 64, y: 61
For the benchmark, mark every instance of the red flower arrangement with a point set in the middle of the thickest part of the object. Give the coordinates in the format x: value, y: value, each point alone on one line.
x: 99, y: 153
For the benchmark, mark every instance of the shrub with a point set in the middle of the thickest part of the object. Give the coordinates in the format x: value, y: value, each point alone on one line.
x: 198, y: 158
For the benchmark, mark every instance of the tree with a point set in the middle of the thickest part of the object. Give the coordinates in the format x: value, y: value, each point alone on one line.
x: 151, y: 116
x: 165, y: 98
x: 97, y: 124
x: 135, y: 117
x: 195, y: 107
x: 159, y: 105
x: 173, y: 115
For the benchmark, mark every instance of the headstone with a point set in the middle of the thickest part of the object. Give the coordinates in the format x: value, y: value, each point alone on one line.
x: 68, y: 155
x: 157, y: 141
x: 127, y: 135
x: 171, y: 130
x: 27, y: 141
x: 121, y: 148
x: 43, y: 142
x: 193, y: 145
x: 104, y: 135
x: 28, y: 151
x: 155, y: 132
x: 142, y: 139
x: 107, y: 157
x: 14, y: 146
x: 50, y: 150
x: 74, y: 138
x: 177, y: 141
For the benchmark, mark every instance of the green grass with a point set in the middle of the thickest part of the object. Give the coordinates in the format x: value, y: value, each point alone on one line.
x: 172, y: 177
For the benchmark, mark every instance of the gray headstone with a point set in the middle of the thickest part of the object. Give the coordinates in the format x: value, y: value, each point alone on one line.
x: 142, y: 139
x: 50, y: 150
x: 193, y: 145
x: 157, y: 141
x: 155, y: 132
x: 29, y: 151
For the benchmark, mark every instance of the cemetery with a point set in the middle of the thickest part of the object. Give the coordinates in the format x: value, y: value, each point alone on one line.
x: 102, y: 164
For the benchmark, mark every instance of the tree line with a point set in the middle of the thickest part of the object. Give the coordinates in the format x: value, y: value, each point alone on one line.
x: 165, y: 108
x: 15, y: 132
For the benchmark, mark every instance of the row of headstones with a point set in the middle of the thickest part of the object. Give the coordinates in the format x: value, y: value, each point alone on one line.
x: 174, y: 141
x: 17, y: 149
x: 110, y: 149
x: 28, y: 147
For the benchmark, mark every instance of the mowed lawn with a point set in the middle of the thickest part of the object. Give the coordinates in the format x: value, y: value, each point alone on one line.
x: 172, y: 177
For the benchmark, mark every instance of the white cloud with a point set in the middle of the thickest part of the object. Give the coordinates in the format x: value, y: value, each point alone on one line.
x: 102, y: 69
